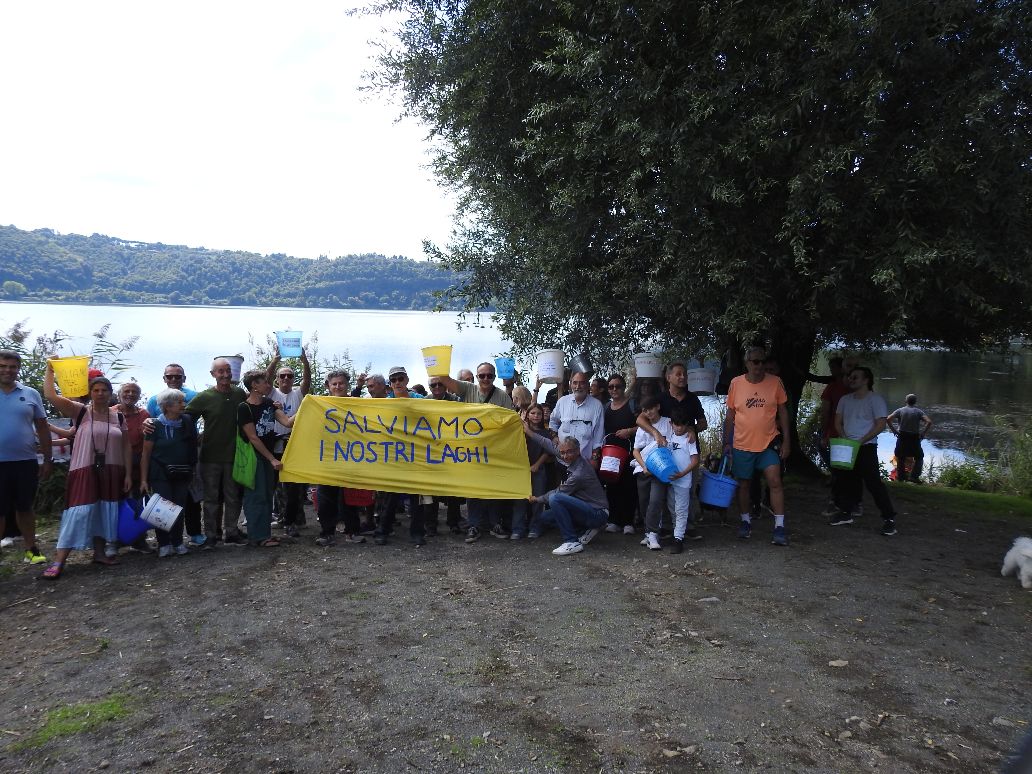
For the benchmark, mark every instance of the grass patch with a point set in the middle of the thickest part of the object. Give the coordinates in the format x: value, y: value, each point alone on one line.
x: 977, y: 506
x: 358, y: 596
x: 76, y: 719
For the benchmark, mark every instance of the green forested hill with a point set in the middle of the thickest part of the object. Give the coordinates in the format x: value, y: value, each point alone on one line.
x: 44, y: 265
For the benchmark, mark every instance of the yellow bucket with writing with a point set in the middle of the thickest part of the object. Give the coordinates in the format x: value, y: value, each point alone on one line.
x: 437, y: 360
x: 72, y: 374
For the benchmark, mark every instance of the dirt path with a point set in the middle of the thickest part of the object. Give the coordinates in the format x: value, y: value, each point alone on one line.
x: 499, y: 657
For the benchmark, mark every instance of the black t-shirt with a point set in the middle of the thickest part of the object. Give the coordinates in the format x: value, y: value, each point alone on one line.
x: 263, y: 417
x: 691, y: 402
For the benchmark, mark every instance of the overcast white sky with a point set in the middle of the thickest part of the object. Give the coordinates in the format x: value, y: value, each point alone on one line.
x: 221, y: 124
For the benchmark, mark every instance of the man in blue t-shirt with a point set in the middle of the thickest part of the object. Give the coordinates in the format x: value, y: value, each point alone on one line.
x: 23, y: 425
x: 174, y: 377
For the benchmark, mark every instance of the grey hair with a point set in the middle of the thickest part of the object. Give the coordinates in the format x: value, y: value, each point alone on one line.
x: 569, y: 440
x: 755, y: 348
x: 169, y: 396
x: 376, y: 378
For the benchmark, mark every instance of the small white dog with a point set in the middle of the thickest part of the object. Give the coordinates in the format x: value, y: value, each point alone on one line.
x: 1018, y: 561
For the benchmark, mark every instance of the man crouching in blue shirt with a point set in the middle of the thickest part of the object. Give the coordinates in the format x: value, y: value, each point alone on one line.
x: 579, y: 502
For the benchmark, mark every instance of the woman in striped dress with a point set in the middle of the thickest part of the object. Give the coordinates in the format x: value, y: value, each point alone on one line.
x: 98, y: 476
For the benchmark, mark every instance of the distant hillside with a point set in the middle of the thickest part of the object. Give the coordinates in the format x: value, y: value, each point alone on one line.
x: 44, y: 265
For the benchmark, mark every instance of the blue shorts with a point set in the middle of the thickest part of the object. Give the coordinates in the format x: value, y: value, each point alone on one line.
x: 745, y: 463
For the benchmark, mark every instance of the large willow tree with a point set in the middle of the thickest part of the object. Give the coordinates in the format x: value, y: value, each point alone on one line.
x: 705, y: 174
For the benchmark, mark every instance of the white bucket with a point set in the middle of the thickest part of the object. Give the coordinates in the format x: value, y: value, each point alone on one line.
x: 701, y: 381
x: 550, y: 365
x: 160, y: 513
x: 648, y: 365
x: 236, y: 362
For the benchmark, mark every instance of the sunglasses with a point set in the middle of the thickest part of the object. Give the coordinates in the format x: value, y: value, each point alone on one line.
x: 398, y: 378
x: 174, y: 376
x: 435, y: 385
x: 485, y: 376
x: 286, y: 376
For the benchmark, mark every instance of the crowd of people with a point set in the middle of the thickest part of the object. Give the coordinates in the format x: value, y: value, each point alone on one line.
x: 188, y: 448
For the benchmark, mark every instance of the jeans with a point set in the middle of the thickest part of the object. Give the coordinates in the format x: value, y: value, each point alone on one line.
x: 258, y: 501
x: 485, y: 512
x: 221, y: 499
x: 573, y: 516
x: 653, y: 494
x: 847, y: 485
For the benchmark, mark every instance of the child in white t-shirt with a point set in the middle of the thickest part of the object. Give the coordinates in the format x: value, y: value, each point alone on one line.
x: 652, y: 492
x: 682, y: 442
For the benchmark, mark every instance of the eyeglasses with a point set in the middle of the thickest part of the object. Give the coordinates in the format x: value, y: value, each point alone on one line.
x: 175, y: 376
x: 398, y: 378
x: 485, y: 376
x: 754, y: 361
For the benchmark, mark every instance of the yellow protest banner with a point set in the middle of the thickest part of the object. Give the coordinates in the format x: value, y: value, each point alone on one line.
x: 432, y: 447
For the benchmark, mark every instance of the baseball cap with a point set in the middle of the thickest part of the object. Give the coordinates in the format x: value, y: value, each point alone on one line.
x: 397, y: 370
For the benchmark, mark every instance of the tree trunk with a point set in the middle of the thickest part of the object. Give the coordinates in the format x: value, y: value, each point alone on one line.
x: 795, y: 352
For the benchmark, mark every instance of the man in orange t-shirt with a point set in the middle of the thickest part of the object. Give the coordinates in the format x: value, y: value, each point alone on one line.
x: 756, y: 408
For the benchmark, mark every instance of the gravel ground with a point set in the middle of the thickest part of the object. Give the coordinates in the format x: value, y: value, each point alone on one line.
x: 847, y: 651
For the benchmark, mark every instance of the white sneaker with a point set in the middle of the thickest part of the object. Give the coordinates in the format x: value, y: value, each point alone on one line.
x: 182, y: 550
x: 515, y: 536
x: 610, y: 527
x: 644, y: 541
x: 653, y: 541
x: 8, y: 542
x: 628, y: 530
x: 588, y: 536
x: 110, y: 550
x: 573, y: 547
x: 164, y: 552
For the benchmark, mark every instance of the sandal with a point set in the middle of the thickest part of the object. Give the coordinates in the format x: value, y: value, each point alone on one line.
x: 269, y: 542
x: 53, y: 572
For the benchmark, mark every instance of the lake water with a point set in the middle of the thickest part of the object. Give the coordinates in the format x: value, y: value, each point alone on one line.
x: 964, y: 394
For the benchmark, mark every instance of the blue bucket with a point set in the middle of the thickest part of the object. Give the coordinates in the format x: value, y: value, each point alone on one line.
x: 505, y: 367
x: 130, y: 526
x: 289, y: 343
x: 718, y: 491
x: 660, y: 463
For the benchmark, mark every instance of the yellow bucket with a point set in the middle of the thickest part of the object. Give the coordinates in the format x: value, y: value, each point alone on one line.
x: 72, y: 374
x: 437, y: 360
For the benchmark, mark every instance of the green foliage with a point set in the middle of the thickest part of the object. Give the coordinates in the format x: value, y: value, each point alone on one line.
x: 261, y: 356
x: 973, y: 475
x: 44, y: 265
x: 1008, y: 471
x: 12, y: 289
x: 109, y: 356
x: 50, y: 495
x: 76, y: 719
x: 701, y: 175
